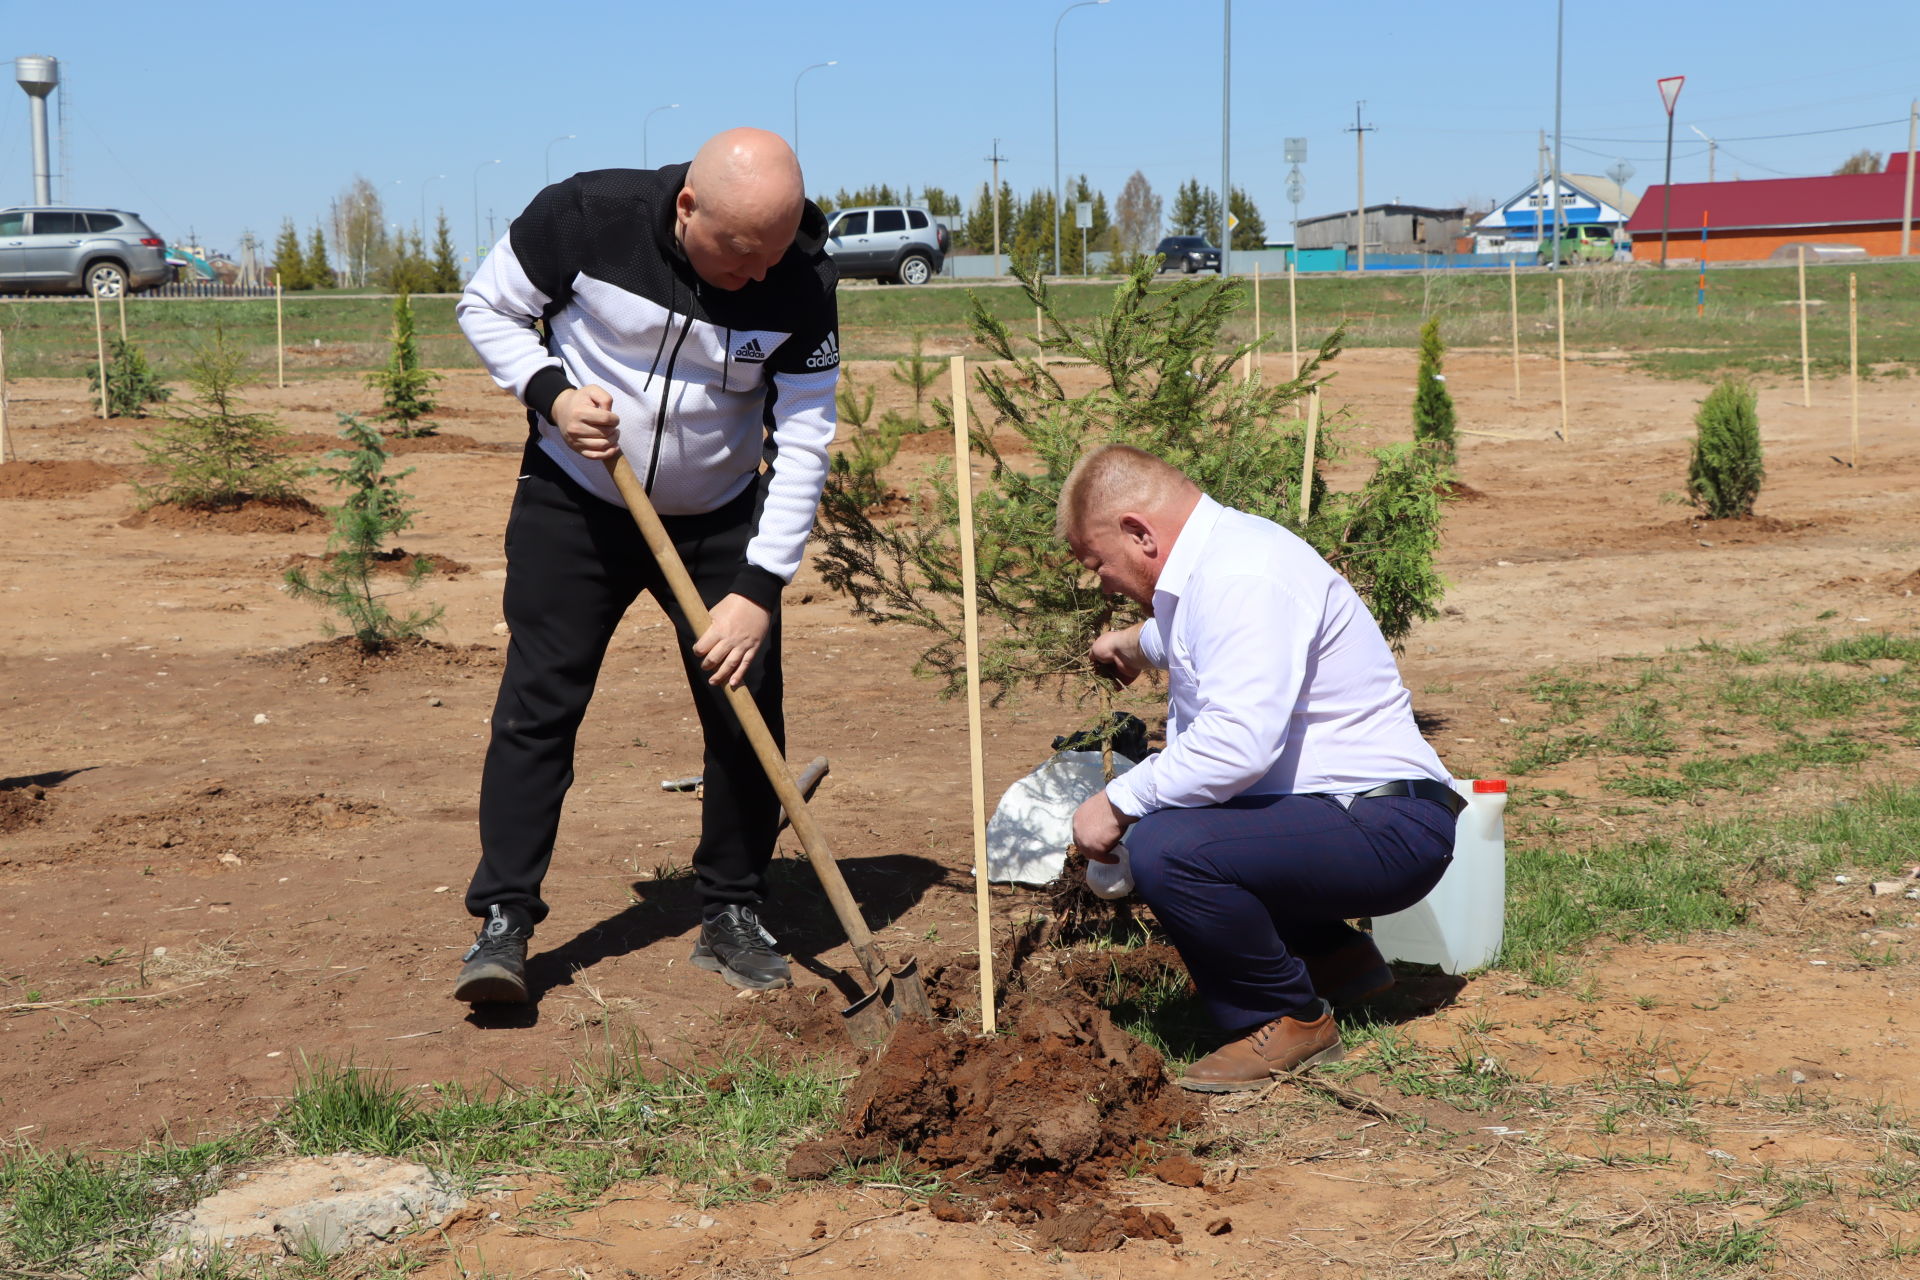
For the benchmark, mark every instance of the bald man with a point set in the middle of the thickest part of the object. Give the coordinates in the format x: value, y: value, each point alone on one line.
x: 1295, y: 791
x: 684, y: 317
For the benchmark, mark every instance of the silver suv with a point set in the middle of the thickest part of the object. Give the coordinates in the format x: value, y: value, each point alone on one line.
x: 105, y: 252
x: 884, y: 242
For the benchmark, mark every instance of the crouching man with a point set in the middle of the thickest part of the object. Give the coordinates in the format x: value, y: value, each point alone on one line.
x: 1294, y: 792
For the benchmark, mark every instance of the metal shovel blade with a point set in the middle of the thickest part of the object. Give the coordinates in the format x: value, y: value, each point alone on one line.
x: 899, y: 994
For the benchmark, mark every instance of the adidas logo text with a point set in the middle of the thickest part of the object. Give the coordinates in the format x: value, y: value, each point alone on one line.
x: 749, y: 352
x: 827, y: 356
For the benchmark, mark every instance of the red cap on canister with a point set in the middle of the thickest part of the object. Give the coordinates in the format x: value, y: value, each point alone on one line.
x: 1483, y: 785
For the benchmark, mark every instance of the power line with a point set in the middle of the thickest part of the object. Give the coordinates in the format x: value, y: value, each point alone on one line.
x: 1772, y: 137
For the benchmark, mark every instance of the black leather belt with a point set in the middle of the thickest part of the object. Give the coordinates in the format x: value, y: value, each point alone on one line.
x: 1421, y: 788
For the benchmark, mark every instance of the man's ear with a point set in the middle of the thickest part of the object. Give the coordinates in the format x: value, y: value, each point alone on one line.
x: 685, y: 203
x: 1137, y: 530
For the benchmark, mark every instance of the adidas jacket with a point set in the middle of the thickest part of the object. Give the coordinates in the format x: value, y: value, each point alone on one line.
x: 708, y: 384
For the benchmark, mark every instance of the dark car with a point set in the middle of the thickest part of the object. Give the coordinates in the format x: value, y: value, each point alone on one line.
x: 1188, y: 253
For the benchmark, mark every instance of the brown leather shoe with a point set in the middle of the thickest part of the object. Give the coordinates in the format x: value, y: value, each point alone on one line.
x: 1350, y: 974
x: 1281, y: 1047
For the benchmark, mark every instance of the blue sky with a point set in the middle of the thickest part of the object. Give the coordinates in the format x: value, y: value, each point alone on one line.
x: 216, y: 116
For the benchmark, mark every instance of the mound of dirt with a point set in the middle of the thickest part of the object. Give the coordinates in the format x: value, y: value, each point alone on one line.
x: 54, y: 479
x: 1906, y: 585
x: 22, y: 807
x: 1460, y: 491
x: 395, y: 560
x: 342, y: 658
x: 439, y: 443
x: 255, y: 515
x: 1057, y: 1103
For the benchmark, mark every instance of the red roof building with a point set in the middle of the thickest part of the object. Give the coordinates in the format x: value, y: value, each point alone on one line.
x: 1746, y: 221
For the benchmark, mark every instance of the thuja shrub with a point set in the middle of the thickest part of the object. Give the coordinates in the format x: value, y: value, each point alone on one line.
x: 1165, y: 385
x: 373, y: 508
x: 1433, y: 416
x: 1723, y: 479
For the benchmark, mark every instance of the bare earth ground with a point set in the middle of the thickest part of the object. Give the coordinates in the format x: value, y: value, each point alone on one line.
x: 255, y: 850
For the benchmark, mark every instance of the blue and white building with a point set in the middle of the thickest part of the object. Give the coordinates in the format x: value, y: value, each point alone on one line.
x: 1521, y: 224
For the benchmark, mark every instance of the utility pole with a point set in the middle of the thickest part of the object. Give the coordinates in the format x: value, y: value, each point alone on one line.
x: 1226, y: 141
x: 996, y: 157
x: 1360, y: 132
x: 1906, y: 204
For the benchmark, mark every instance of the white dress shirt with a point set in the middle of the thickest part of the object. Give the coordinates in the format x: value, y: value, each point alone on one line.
x: 1279, y: 681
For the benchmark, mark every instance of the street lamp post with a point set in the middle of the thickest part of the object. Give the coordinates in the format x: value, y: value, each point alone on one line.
x: 477, y: 245
x: 671, y: 106
x: 1712, y: 147
x: 1559, y: 62
x: 1669, y: 94
x: 547, y: 169
x: 422, y: 224
x: 1081, y: 4
x: 796, y: 101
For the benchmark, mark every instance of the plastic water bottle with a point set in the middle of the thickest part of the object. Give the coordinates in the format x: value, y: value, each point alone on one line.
x: 1111, y: 880
x: 1460, y: 925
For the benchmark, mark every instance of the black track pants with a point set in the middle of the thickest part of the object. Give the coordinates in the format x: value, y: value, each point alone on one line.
x: 574, y: 564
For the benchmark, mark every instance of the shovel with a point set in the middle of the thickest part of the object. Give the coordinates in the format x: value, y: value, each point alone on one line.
x: 896, y: 992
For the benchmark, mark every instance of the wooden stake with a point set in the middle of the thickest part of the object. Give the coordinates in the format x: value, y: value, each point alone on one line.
x: 1251, y: 355
x: 1853, y: 360
x: 3, y: 397
x: 100, y: 341
x: 1560, y: 329
x: 280, y: 330
x: 123, y: 314
x: 963, y: 485
x: 1513, y: 308
x: 1293, y: 312
x: 1806, y: 371
x: 1306, y: 462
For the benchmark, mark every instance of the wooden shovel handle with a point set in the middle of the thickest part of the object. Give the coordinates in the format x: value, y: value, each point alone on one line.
x: 812, y: 839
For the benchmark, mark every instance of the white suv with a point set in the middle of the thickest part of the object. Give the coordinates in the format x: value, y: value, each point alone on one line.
x: 883, y: 242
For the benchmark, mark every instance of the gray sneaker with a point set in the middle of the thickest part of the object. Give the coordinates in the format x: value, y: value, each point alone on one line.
x: 737, y: 947
x: 495, y: 971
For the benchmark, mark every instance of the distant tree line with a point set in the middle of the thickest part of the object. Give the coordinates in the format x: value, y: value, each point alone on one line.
x: 1125, y: 229
x: 365, y: 252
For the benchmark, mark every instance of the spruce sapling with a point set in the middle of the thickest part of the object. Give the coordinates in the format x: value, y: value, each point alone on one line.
x: 211, y: 453
x: 1724, y: 476
x: 405, y: 388
x: 373, y: 508
x: 1433, y: 416
x: 918, y: 372
x: 132, y: 384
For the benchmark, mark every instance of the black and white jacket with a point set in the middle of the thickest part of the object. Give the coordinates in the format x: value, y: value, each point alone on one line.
x: 709, y: 384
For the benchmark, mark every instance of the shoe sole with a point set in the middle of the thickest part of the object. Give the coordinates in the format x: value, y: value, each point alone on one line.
x: 1332, y: 1053
x: 711, y: 963
x: 490, y: 985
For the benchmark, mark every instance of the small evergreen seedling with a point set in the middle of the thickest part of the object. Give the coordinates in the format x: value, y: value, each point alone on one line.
x: 918, y: 372
x: 1433, y: 417
x: 132, y: 384
x: 405, y: 388
x: 374, y: 508
x: 211, y: 453
x: 870, y: 446
x: 1724, y: 476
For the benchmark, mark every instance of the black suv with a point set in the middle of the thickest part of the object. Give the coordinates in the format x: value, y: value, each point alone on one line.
x: 1188, y: 253
x: 882, y: 242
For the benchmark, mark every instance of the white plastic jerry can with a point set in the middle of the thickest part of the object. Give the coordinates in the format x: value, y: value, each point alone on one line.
x: 1459, y: 926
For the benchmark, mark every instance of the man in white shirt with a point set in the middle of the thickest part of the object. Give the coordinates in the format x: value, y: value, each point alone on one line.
x: 1294, y: 793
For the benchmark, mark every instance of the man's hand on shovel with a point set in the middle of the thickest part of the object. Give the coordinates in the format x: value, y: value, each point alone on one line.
x: 739, y: 629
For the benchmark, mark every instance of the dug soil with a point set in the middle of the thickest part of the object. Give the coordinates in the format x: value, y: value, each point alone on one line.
x: 229, y: 846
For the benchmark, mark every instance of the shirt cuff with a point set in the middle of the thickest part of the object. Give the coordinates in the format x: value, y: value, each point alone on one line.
x: 759, y: 586
x: 1125, y: 792
x: 1153, y: 645
x: 544, y: 387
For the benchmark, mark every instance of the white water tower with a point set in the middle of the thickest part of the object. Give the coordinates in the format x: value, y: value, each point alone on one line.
x: 39, y: 75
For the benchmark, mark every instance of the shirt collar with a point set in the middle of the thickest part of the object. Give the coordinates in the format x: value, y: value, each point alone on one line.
x: 1188, y: 547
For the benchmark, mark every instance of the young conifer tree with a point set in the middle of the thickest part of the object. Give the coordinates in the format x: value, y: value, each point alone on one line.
x: 1433, y: 416
x: 132, y: 384
x: 372, y: 509
x: 210, y: 452
x: 289, y: 264
x: 446, y: 264
x: 1166, y: 385
x: 319, y: 270
x: 405, y: 388
x: 1724, y: 475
